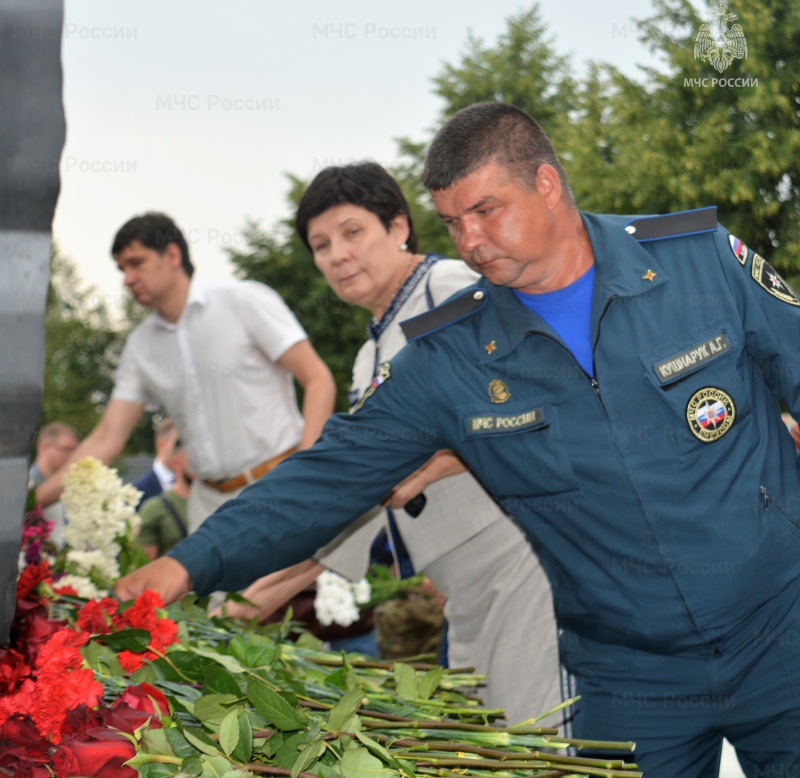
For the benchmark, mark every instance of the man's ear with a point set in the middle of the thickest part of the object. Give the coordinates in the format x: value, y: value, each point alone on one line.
x: 173, y: 254
x: 548, y: 184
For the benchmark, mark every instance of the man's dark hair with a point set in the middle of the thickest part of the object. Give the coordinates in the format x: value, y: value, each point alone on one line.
x: 490, y: 132
x: 365, y: 184
x: 155, y: 231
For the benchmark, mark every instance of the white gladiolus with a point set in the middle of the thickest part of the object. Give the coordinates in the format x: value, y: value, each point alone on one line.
x: 99, y: 509
x: 337, y: 599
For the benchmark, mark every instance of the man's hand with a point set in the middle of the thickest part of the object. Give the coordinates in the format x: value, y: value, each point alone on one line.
x: 165, y: 576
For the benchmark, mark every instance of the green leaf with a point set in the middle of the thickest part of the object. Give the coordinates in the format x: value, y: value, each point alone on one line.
x: 286, y: 755
x: 341, y: 715
x: 229, y: 732
x: 359, y: 763
x: 192, y: 767
x: 200, y: 741
x: 102, y: 659
x: 406, y: 681
x: 379, y: 751
x: 244, y: 749
x: 215, y: 767
x: 228, y: 662
x: 218, y: 679
x: 308, y: 756
x: 154, y: 741
x: 273, y: 707
x: 430, y: 682
x: 212, y: 708
x: 178, y: 743
x: 126, y: 640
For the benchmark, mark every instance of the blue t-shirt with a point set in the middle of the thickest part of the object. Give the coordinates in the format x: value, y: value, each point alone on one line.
x: 569, y: 312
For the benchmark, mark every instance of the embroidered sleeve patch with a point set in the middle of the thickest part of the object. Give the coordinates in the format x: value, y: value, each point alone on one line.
x: 767, y: 278
x: 384, y: 374
x: 740, y: 251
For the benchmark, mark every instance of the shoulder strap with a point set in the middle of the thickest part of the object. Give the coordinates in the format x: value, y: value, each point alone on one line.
x: 458, y: 308
x: 171, y: 508
x: 673, y: 225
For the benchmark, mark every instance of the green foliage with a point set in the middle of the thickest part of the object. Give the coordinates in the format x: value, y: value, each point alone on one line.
x: 673, y: 141
x: 82, y: 349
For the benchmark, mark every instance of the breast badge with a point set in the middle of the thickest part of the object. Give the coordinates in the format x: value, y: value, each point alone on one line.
x: 710, y: 414
x: 498, y: 391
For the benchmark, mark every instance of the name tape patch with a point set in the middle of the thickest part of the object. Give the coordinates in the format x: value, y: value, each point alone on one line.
x: 504, y: 422
x: 686, y: 361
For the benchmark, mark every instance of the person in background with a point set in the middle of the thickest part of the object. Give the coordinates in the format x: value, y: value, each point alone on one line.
x: 54, y: 445
x: 221, y: 359
x: 164, y: 516
x: 159, y: 477
x: 498, y: 604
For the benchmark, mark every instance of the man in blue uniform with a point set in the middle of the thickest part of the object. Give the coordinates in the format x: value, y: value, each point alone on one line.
x: 614, y: 383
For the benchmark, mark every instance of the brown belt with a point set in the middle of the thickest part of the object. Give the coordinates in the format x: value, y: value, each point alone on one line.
x: 248, y: 476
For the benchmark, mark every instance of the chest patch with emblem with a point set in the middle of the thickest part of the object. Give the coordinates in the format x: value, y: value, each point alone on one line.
x: 710, y: 413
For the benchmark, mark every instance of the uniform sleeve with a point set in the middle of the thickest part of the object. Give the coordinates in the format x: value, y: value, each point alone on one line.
x: 770, y: 313
x: 348, y: 553
x: 269, y: 321
x: 313, y: 495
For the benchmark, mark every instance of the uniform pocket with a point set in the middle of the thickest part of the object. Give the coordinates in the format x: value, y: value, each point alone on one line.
x: 520, y: 448
x: 703, y: 398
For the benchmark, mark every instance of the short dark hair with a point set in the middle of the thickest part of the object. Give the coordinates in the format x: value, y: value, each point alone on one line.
x: 490, y: 132
x: 365, y: 184
x: 155, y: 231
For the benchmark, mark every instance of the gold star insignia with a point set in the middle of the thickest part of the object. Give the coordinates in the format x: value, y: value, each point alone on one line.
x: 649, y: 275
x: 490, y: 347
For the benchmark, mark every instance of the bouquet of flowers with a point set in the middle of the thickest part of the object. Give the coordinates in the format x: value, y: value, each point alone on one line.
x: 91, y: 687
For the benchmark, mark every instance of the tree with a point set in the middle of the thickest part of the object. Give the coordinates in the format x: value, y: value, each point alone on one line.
x: 683, y: 138
x: 82, y: 348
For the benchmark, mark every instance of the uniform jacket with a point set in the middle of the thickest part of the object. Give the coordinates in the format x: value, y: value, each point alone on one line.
x: 661, y: 496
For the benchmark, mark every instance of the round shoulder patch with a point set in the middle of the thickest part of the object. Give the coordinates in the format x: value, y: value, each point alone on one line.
x: 710, y: 413
x: 740, y: 251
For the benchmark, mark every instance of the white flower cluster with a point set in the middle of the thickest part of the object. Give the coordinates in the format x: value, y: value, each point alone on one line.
x: 99, y: 510
x: 338, y: 599
x: 83, y: 586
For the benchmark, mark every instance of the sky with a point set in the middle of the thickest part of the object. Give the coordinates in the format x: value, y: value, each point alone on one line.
x: 200, y: 109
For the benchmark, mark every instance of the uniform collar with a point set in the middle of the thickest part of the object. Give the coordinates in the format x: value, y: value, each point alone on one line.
x: 622, y: 269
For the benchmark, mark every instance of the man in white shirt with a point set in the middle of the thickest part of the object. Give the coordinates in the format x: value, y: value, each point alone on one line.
x: 222, y: 359
x: 159, y: 477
